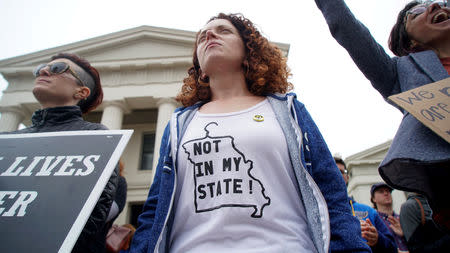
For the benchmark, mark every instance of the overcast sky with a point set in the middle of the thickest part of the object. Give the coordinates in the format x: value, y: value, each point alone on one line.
x: 351, y: 115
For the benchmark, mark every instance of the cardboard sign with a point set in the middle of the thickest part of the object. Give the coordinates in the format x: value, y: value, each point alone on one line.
x: 430, y: 104
x: 50, y: 183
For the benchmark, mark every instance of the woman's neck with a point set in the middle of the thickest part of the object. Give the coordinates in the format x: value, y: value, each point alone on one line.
x: 228, y: 86
x: 443, y: 49
x: 229, y: 93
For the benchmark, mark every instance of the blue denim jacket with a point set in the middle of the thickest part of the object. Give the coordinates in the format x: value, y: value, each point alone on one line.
x: 331, y: 224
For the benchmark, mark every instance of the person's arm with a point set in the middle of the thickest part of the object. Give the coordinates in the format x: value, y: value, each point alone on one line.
x: 121, y: 196
x: 119, y: 200
x: 410, y: 217
x: 368, y: 55
x: 99, y: 215
x: 386, y: 242
x: 345, y: 228
x: 146, y: 219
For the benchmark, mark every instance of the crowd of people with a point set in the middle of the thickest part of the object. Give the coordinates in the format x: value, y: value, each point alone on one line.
x: 411, y: 230
x: 272, y: 185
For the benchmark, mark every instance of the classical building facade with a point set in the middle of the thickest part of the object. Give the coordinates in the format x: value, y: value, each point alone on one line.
x: 141, y: 72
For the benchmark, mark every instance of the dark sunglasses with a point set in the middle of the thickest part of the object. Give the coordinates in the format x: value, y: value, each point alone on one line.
x: 56, y: 69
x: 421, y: 8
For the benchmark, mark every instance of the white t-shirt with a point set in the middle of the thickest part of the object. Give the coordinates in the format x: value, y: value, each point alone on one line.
x: 235, y: 187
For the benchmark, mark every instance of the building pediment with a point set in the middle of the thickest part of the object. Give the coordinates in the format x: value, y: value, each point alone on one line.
x: 142, y: 45
x: 137, y: 47
x: 140, y: 51
x: 373, y: 155
x: 144, y: 63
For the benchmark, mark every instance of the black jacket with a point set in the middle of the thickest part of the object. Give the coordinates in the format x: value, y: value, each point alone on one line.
x: 68, y: 118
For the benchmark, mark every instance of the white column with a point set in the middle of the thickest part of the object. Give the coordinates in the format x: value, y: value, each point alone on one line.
x: 166, y: 106
x: 11, y: 118
x: 113, y: 112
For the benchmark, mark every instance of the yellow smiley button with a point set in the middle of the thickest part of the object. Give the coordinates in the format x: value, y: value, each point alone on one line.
x: 258, y: 118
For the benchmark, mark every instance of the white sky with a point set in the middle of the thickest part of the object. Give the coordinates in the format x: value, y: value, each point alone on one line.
x: 351, y: 115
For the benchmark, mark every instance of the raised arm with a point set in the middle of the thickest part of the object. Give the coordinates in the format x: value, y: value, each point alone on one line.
x: 367, y: 54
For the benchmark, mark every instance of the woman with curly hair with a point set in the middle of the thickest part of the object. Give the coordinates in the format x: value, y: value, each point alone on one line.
x: 418, y: 159
x: 242, y: 166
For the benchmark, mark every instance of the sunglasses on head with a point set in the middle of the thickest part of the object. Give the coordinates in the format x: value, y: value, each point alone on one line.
x: 57, y: 68
x: 421, y: 8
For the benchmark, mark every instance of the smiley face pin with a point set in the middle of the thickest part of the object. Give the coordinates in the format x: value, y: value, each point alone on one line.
x: 258, y: 118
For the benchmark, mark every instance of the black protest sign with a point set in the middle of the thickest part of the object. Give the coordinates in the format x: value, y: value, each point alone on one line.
x: 50, y: 183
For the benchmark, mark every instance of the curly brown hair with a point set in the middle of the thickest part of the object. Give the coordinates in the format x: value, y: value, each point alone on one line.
x: 264, y: 66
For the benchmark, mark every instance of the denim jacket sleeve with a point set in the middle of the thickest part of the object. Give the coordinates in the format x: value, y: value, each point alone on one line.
x: 345, y: 229
x: 145, y: 237
x: 367, y: 54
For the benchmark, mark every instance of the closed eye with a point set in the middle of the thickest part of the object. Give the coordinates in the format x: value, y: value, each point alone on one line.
x: 225, y: 30
x: 201, y: 38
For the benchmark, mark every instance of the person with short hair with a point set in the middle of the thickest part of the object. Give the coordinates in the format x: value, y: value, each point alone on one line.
x: 373, y: 229
x: 381, y: 198
x: 66, y: 88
